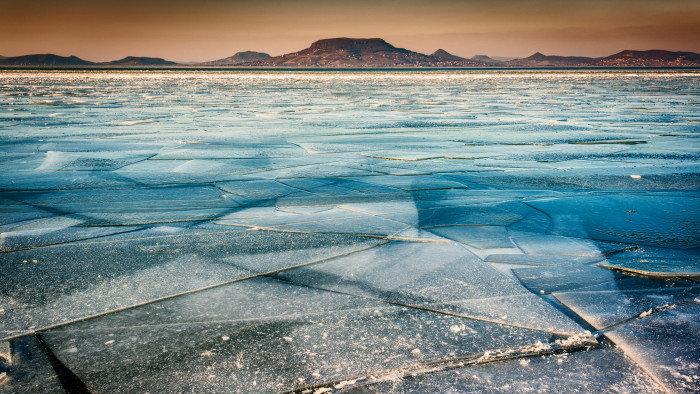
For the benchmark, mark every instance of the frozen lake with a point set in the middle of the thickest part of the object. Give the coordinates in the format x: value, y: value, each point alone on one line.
x: 274, y: 231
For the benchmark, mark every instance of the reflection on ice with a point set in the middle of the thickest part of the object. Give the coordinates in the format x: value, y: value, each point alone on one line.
x: 376, y: 231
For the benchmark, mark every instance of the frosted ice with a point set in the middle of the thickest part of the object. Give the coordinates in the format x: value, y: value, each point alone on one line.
x: 314, y: 230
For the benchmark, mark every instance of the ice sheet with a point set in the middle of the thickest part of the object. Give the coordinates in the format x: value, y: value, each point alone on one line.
x: 272, y: 231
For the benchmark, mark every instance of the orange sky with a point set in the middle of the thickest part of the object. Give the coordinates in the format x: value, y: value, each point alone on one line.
x: 180, y: 30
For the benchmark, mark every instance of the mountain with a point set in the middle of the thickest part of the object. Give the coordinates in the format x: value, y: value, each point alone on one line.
x: 357, y: 52
x: 2, y: 57
x: 540, y: 60
x: 627, y: 58
x: 238, y: 58
x: 140, y: 61
x: 442, y: 58
x: 652, y: 58
x: 443, y: 54
x: 47, y: 59
x: 486, y: 59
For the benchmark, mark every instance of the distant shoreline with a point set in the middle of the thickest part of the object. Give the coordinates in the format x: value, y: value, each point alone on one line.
x: 327, y: 69
x: 373, y: 53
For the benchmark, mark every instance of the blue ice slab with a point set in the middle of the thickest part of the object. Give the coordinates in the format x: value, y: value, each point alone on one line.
x: 666, y: 344
x: 76, y: 280
x: 539, y: 243
x: 261, y: 190
x: 656, y: 263
x: 434, y: 276
x: 91, y: 161
x: 638, y: 283
x: 339, y: 186
x: 14, y: 212
x: 595, y: 370
x: 602, y: 309
x: 135, y: 206
x: 643, y: 219
x: 542, y: 260
x: 522, y: 310
x: 280, y: 354
x: 613, y: 178
x: 476, y: 214
x: 659, y: 269
x: 241, y: 151
x: 16, y: 239
x: 295, y: 336
x: 414, y: 183
x: 23, y: 180
x: 409, y: 272
x: 482, y: 237
x: 545, y: 280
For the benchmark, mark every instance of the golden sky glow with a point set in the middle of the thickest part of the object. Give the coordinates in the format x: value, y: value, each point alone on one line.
x: 180, y: 30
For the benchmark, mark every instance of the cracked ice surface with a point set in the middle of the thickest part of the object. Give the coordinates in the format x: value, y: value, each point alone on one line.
x: 316, y: 231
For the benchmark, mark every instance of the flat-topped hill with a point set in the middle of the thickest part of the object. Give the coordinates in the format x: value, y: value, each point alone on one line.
x: 358, y: 52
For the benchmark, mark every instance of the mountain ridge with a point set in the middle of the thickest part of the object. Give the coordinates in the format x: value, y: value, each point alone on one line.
x: 486, y: 59
x: 625, y: 58
x: 654, y: 58
x: 49, y: 59
x: 377, y: 53
x: 45, y: 59
x: 540, y: 60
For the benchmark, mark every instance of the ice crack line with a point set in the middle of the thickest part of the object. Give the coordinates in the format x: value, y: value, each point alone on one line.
x: 654, y: 310
x: 539, y: 349
x: 184, y: 293
x: 425, y: 308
